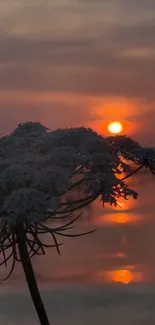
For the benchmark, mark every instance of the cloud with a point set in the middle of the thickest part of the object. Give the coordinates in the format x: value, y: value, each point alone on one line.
x: 98, y: 49
x: 82, y: 65
x: 54, y: 113
x: 144, y: 4
x: 95, y: 48
x: 145, y: 124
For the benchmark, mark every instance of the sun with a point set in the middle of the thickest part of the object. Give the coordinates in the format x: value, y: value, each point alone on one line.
x: 115, y: 127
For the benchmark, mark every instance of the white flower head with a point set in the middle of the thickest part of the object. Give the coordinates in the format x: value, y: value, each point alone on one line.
x: 24, y: 204
x: 38, y: 166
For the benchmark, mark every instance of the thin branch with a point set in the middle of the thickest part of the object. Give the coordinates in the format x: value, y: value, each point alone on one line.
x: 132, y: 173
x: 75, y: 235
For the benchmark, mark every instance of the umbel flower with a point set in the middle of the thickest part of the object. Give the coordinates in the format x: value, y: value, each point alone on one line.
x: 39, y: 169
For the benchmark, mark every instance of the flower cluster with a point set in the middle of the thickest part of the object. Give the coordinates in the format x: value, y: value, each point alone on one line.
x: 38, y: 164
x: 39, y: 167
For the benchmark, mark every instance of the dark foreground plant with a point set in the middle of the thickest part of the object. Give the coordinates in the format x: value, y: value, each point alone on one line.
x: 40, y: 170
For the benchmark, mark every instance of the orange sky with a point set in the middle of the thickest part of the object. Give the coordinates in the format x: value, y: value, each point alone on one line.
x: 78, y: 62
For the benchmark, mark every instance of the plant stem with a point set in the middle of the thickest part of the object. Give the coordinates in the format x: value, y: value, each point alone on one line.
x: 30, y: 276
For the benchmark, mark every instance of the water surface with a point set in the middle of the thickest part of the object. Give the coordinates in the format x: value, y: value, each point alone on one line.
x: 106, y: 277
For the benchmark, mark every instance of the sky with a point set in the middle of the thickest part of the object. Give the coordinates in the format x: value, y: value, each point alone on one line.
x: 78, y: 62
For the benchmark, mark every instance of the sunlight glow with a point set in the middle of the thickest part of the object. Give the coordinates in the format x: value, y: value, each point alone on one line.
x: 115, y: 127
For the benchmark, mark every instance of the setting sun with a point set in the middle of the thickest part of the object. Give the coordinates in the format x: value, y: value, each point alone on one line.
x: 115, y: 127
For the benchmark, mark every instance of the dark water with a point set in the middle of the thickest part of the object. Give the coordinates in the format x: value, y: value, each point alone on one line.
x: 74, y: 305
x: 108, y: 276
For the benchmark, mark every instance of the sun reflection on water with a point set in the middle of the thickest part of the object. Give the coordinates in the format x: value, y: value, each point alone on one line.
x: 124, y: 276
x: 117, y: 218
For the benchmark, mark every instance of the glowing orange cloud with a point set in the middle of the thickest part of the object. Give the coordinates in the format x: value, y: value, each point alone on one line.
x: 107, y: 109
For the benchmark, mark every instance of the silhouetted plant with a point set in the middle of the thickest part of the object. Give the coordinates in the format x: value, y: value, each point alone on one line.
x: 39, y: 168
